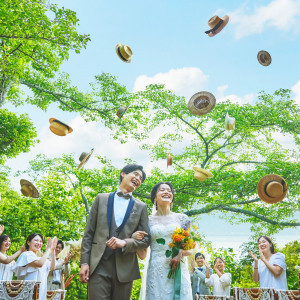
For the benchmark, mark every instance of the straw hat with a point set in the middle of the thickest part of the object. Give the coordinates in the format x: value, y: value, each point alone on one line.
x: 271, y: 188
x: 229, y: 122
x: 216, y: 24
x: 124, y: 52
x: 201, y: 103
x: 169, y: 160
x: 59, y: 128
x: 84, y: 157
x: 28, y: 189
x: 264, y: 58
x: 120, y: 112
x: 202, y: 174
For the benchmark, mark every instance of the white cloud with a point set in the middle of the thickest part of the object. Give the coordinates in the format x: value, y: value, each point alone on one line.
x: 296, y: 91
x: 280, y: 14
x: 221, y: 96
x: 184, y: 82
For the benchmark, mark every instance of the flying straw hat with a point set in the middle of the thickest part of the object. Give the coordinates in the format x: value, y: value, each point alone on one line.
x: 84, y: 157
x: 216, y: 24
x: 169, y: 160
x: 201, y: 103
x: 121, y: 111
x: 59, y: 128
x: 202, y: 174
x: 124, y: 52
x: 264, y: 58
x: 229, y: 122
x: 272, y: 188
x: 28, y: 189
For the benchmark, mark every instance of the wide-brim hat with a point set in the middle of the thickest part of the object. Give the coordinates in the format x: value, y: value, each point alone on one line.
x: 264, y: 58
x: 229, y: 122
x: 202, y: 174
x: 272, y: 188
x: 201, y: 103
x: 169, y: 160
x: 28, y: 189
x: 84, y: 157
x: 121, y: 111
x: 124, y: 52
x: 59, y: 128
x: 216, y: 24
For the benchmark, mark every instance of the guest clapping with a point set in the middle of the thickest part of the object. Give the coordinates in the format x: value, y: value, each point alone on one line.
x: 270, y: 268
x: 31, y: 267
x: 7, y: 262
x: 220, y: 281
x: 198, y: 276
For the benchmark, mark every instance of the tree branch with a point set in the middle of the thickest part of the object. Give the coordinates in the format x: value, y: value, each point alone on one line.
x: 243, y: 162
x: 214, y: 137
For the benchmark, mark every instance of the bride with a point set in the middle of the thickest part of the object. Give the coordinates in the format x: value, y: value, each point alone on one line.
x: 162, y: 223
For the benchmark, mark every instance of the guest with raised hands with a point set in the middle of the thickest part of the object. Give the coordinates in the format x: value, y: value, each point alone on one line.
x: 198, y: 276
x: 220, y: 281
x: 270, y: 268
x: 31, y: 267
x: 7, y: 262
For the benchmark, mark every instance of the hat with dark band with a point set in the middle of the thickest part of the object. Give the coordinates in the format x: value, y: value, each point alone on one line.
x: 216, y: 24
x: 272, y: 188
x: 169, y: 160
x: 28, y: 189
x: 201, y: 103
x: 124, y: 52
x: 264, y: 58
x: 84, y: 157
x: 59, y: 128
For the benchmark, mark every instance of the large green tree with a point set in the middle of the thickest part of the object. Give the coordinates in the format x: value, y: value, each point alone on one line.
x: 17, y: 134
x: 35, y: 38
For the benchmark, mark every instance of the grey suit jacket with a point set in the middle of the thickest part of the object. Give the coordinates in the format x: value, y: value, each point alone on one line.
x: 97, y: 231
x: 200, y: 276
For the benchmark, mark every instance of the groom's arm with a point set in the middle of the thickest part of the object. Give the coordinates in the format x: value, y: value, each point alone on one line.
x: 132, y: 245
x: 90, y: 227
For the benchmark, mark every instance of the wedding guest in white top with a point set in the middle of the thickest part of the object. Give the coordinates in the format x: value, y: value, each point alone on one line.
x: 6, y: 262
x: 31, y: 267
x: 220, y: 281
x: 270, y: 268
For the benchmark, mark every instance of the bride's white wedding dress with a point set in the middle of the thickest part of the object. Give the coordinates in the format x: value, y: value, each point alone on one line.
x: 158, y: 286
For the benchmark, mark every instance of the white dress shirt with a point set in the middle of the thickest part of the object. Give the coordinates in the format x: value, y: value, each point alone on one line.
x: 221, y: 285
x: 120, y: 207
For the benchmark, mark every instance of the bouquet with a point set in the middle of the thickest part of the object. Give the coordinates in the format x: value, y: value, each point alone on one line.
x: 184, y: 238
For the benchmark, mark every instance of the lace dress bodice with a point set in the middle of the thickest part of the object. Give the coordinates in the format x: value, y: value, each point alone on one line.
x: 159, y: 287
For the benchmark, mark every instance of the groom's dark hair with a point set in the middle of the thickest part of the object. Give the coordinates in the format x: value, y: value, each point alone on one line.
x: 130, y: 168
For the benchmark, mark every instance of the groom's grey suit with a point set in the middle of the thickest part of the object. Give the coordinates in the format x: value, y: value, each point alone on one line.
x: 107, y: 265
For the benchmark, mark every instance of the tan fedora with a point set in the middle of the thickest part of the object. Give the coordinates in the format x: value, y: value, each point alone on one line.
x: 201, y: 103
x: 216, y: 24
x: 169, y: 160
x: 84, y: 157
x: 121, y: 111
x: 124, y: 52
x: 264, y: 58
x: 59, y: 128
x: 229, y: 122
x: 271, y: 188
x: 28, y: 189
x: 202, y: 174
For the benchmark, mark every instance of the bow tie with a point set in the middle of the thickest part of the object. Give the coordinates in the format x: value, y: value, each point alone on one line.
x: 201, y: 269
x: 121, y: 194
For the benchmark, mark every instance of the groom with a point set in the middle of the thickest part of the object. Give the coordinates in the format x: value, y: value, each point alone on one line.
x: 108, y: 253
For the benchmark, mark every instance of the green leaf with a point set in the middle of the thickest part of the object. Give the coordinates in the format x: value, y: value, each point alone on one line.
x: 168, y: 253
x: 160, y: 241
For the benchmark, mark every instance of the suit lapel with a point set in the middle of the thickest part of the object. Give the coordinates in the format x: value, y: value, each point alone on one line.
x: 110, y: 207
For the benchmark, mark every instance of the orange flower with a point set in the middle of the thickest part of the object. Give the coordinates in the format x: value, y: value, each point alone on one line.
x: 171, y: 245
x: 186, y: 233
x: 178, y: 237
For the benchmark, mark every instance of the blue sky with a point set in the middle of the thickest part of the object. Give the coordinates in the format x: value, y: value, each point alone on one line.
x: 169, y: 46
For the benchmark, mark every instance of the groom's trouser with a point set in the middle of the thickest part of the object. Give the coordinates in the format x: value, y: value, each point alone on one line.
x: 104, y: 283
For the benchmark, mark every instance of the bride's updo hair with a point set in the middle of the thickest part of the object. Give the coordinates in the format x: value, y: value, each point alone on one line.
x: 155, y: 189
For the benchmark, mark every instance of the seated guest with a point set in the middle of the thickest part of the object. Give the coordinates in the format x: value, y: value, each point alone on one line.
x: 220, y: 281
x: 7, y: 262
x: 62, y: 270
x: 270, y: 268
x: 198, y: 276
x: 31, y: 267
